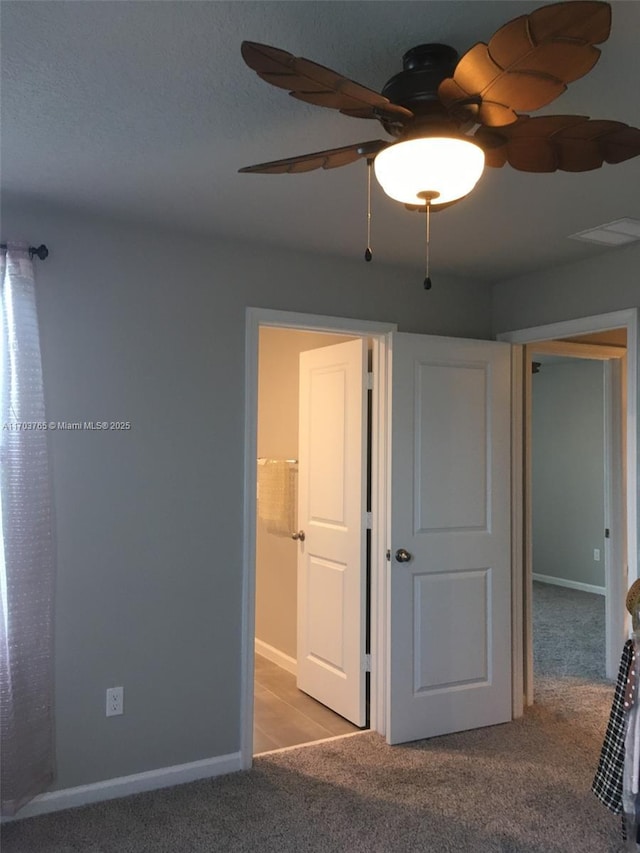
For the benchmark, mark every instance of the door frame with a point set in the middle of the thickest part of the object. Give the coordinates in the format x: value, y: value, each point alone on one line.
x: 379, y: 333
x: 628, y: 319
x: 614, y: 369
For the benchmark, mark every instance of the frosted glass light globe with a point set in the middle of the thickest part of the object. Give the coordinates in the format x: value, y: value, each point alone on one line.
x: 450, y: 167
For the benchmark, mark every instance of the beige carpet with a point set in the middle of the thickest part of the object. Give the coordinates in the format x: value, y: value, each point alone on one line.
x: 523, y: 787
x: 568, y: 633
x: 518, y: 788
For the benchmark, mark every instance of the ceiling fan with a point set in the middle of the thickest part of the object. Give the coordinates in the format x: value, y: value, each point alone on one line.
x: 451, y: 116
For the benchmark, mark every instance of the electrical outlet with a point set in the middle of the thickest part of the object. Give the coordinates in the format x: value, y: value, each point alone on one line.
x: 115, y: 701
x: 596, y: 554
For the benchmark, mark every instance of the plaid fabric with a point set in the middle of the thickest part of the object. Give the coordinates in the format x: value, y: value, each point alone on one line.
x: 607, y: 783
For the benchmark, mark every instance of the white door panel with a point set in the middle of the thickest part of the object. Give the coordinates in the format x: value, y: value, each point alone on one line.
x: 450, y: 604
x: 332, y: 449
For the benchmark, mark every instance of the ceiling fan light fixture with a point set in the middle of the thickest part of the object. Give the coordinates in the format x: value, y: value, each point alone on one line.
x: 448, y: 166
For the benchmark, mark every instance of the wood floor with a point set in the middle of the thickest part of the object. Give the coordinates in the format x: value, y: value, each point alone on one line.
x: 285, y: 716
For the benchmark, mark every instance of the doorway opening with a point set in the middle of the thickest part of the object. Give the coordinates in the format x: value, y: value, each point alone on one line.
x: 284, y: 715
x: 609, y: 343
x: 362, y: 331
x: 576, y: 472
x: 577, y: 545
x: 440, y: 528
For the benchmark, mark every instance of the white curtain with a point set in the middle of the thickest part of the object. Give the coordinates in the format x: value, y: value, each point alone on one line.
x: 26, y: 544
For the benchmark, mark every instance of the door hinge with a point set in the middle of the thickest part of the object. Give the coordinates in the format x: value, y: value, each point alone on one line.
x: 607, y: 533
x: 367, y: 663
x: 369, y: 521
x: 370, y: 381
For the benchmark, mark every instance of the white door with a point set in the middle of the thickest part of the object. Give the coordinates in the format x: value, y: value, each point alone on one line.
x: 450, y: 601
x: 332, y: 445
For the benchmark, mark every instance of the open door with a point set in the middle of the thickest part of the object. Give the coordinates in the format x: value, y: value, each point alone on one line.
x: 449, y: 587
x: 332, y: 447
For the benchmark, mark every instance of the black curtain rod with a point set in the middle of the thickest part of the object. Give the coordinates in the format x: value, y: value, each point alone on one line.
x: 41, y: 251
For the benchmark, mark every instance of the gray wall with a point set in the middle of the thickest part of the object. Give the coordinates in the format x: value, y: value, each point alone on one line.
x: 607, y: 282
x: 568, y: 470
x: 148, y: 326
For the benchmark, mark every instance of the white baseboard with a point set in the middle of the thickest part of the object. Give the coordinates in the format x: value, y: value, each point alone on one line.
x: 584, y: 587
x: 276, y: 656
x: 123, y: 786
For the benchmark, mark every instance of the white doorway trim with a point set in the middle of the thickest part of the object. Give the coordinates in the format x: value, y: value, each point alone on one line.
x: 255, y: 318
x: 627, y: 319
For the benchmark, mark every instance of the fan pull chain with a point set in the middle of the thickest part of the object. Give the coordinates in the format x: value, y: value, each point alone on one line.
x: 427, y: 279
x: 428, y: 196
x: 368, y: 253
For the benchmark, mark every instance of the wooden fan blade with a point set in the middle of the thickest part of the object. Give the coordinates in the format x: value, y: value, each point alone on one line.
x: 622, y: 145
x: 568, y: 143
x: 315, y: 84
x: 330, y: 159
x: 528, y: 62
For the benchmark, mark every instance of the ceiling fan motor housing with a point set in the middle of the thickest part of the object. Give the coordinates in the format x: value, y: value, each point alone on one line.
x: 416, y: 86
x: 478, y: 104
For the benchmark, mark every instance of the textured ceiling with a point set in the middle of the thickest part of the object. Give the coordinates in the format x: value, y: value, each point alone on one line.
x: 146, y: 110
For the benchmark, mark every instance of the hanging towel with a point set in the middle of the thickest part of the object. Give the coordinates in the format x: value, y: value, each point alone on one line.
x: 277, y: 495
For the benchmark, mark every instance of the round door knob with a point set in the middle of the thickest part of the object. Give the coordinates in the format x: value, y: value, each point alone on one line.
x: 299, y: 535
x: 402, y: 555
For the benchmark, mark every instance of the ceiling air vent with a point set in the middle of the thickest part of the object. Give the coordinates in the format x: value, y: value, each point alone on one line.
x: 612, y: 233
